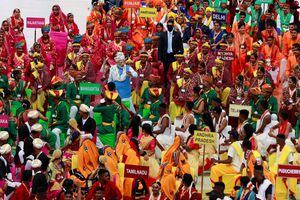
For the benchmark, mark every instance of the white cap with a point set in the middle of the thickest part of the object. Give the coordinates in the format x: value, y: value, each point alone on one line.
x: 274, y: 117
x: 38, y: 143
x: 102, y: 100
x: 33, y: 114
x: 4, y: 135
x: 5, y: 149
x: 37, y: 127
x: 36, y: 163
x: 84, y: 108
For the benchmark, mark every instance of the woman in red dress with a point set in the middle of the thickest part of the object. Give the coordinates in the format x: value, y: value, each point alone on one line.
x: 106, y: 32
x: 4, y: 56
x: 93, y: 44
x: 16, y: 20
x: 48, y: 50
x: 71, y: 26
x: 9, y: 41
x: 116, y: 46
x: 57, y: 19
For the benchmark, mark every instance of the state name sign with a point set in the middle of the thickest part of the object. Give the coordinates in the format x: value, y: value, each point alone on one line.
x: 234, y: 110
x: 35, y: 22
x: 89, y: 88
x: 289, y: 171
x: 131, y: 3
x: 148, y: 12
x: 136, y: 171
x: 225, y: 55
x: 221, y: 17
x: 4, y: 121
x: 202, y: 137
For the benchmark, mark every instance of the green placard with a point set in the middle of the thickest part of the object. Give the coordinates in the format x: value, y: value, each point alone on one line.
x: 89, y: 88
x: 266, y: 1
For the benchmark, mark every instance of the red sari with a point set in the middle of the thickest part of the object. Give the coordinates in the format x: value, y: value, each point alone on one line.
x: 96, y: 48
x: 4, y: 57
x: 9, y: 42
x: 49, y: 52
x: 72, y: 29
x: 16, y: 23
x: 57, y: 23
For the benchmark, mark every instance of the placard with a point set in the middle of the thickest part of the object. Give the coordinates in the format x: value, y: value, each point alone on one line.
x: 35, y: 22
x: 4, y: 121
x: 202, y: 137
x: 234, y: 110
x: 225, y: 55
x: 131, y: 3
x: 289, y: 171
x: 266, y: 1
x: 89, y: 88
x: 136, y: 171
x: 221, y: 17
x: 148, y: 12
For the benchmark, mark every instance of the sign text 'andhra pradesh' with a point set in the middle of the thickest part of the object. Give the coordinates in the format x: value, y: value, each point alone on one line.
x: 234, y: 110
x: 89, y: 88
x: 136, y: 171
x: 289, y: 171
x: 35, y: 22
x: 131, y: 3
x: 202, y: 137
x: 148, y: 12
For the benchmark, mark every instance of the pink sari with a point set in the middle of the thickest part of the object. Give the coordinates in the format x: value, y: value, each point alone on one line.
x: 60, y: 40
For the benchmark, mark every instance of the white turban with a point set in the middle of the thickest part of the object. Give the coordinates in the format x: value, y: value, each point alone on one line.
x: 36, y: 163
x: 5, y: 149
x: 4, y: 135
x: 119, y: 57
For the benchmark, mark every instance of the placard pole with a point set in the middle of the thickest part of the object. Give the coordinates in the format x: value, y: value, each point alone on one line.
x: 35, y: 35
x: 202, y: 176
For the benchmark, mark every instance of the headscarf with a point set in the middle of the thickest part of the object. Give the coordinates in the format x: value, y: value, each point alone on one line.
x: 125, y: 151
x: 109, y: 152
x: 168, y: 182
x: 61, y: 14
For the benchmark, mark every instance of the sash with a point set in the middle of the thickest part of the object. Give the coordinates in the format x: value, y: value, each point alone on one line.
x: 175, y: 66
x: 237, y: 147
x: 282, y: 159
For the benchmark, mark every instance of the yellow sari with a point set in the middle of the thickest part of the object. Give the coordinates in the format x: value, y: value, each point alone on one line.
x: 151, y: 162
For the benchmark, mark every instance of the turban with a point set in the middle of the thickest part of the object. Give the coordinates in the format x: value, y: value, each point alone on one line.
x: 119, y: 57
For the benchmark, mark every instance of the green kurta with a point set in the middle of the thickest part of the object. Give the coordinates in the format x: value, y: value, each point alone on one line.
x: 209, y: 96
x: 49, y: 137
x: 60, y: 116
x: 108, y: 113
x: 153, y: 115
x: 73, y: 95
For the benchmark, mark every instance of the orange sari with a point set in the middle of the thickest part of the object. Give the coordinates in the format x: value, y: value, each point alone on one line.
x: 182, y: 164
x: 126, y: 153
x: 168, y: 182
x: 87, y: 157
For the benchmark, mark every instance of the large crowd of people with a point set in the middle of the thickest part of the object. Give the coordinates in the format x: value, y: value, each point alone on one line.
x: 161, y: 79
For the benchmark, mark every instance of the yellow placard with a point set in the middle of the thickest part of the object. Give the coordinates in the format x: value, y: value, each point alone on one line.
x: 234, y: 110
x: 202, y: 137
x: 148, y: 12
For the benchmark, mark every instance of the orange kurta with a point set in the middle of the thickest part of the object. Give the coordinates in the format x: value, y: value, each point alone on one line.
x: 287, y: 44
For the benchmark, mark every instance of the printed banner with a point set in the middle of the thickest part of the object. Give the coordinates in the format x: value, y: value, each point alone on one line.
x: 148, y: 12
x: 225, y: 55
x: 266, y: 1
x: 35, y: 22
x: 202, y: 137
x: 234, y: 110
x: 131, y: 4
x: 221, y: 17
x: 136, y: 171
x: 89, y: 88
x: 289, y: 171
x: 4, y: 121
